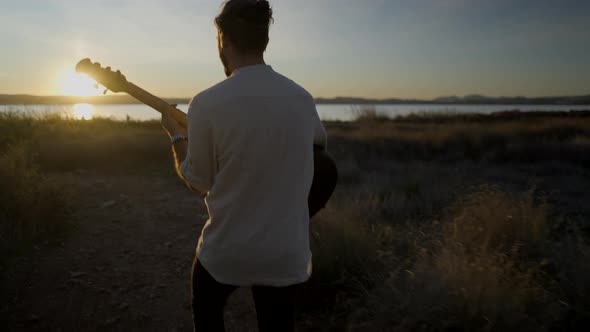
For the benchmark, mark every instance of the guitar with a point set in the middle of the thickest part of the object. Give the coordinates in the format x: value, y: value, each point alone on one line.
x: 325, y: 172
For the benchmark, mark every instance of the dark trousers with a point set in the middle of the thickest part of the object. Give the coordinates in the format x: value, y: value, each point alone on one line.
x: 274, y: 305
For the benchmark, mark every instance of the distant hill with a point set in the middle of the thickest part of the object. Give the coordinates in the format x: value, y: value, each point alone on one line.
x: 450, y: 100
x: 466, y: 100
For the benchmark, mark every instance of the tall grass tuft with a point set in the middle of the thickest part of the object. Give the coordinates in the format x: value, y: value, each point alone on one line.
x: 15, y: 127
x: 484, y: 268
x: 344, y: 261
x: 32, y: 206
x: 491, y: 221
x: 368, y: 114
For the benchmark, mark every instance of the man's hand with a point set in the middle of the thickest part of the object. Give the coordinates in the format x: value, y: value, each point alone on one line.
x: 171, y: 126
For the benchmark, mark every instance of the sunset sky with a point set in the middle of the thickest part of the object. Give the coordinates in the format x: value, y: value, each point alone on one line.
x: 368, y: 48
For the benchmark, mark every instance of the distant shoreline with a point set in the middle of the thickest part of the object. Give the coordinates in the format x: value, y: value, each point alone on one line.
x: 453, y: 100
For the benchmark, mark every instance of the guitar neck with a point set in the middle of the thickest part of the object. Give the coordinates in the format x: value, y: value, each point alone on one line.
x: 156, y: 103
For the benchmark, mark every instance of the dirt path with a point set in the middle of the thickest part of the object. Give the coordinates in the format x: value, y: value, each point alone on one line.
x: 125, y: 268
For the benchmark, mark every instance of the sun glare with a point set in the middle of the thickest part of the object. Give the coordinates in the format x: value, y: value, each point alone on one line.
x: 83, y: 111
x: 74, y: 84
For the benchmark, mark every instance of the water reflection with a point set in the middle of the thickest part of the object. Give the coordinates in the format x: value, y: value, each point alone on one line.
x: 83, y: 111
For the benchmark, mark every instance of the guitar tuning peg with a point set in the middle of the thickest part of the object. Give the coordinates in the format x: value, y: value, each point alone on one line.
x: 105, y: 91
x: 108, y: 68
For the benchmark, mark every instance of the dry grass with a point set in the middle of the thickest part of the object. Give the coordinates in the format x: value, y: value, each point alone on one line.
x: 456, y: 223
x: 33, y: 206
x: 487, y: 264
x: 464, y: 226
x: 522, y: 141
x: 492, y: 221
x: 66, y: 144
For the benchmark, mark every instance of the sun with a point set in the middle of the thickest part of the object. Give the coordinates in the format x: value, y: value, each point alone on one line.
x: 74, y: 84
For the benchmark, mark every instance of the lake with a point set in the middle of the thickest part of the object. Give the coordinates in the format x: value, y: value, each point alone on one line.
x: 326, y: 112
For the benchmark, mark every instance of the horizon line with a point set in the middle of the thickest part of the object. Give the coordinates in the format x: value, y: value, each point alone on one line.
x: 466, y: 96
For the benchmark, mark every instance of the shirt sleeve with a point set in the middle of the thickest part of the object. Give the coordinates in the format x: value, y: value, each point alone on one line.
x: 319, y: 132
x: 199, y: 166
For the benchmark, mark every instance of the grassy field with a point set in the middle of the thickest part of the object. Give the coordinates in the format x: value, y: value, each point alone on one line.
x: 438, y: 223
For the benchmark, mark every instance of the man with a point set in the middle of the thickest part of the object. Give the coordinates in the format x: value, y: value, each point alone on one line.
x: 249, y: 148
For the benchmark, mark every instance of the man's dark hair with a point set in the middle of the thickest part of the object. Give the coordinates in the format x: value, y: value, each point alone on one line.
x: 246, y: 24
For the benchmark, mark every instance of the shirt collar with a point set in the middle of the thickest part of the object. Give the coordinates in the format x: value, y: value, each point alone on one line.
x: 252, y: 68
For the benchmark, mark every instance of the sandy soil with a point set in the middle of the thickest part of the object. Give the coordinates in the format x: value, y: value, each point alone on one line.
x: 126, y: 267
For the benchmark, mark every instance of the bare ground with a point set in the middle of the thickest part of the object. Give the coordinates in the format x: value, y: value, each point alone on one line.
x: 126, y: 267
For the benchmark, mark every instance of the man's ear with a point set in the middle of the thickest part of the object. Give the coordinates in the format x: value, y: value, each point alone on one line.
x: 225, y: 42
x: 219, y: 39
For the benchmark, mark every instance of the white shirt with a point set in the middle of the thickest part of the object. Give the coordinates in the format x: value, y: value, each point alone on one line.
x: 250, y: 146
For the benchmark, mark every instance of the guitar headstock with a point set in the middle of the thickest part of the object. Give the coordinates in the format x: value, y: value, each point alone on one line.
x: 114, y: 81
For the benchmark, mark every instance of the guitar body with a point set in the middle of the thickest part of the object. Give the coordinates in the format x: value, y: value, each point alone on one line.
x: 325, y: 172
x: 325, y: 177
